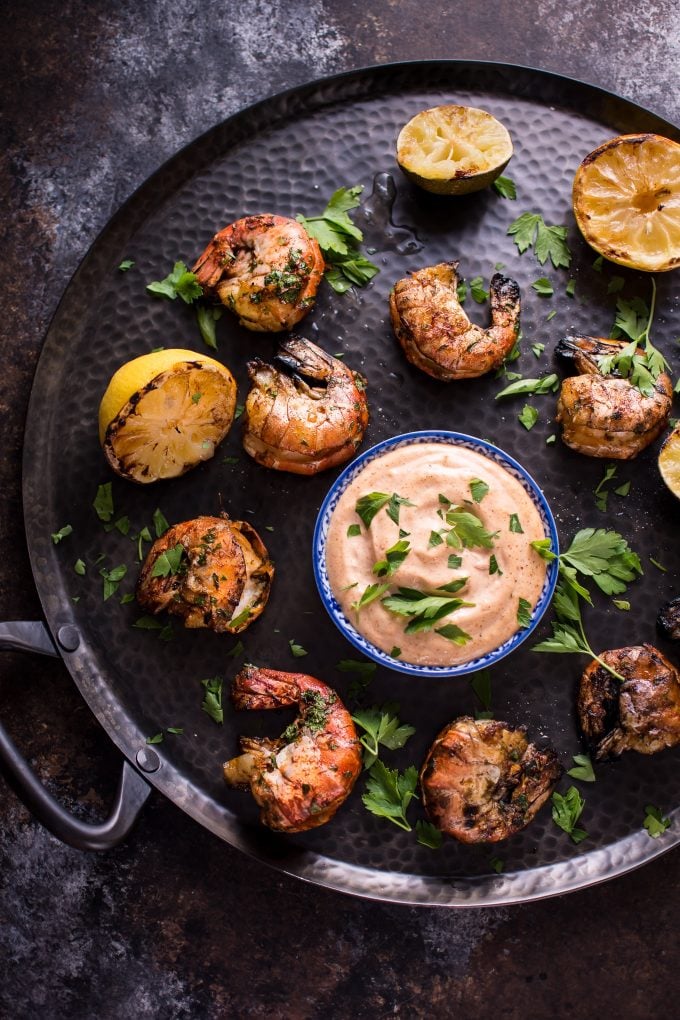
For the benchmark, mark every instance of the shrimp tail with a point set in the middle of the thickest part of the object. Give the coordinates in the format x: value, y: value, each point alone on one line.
x: 304, y: 359
x: 505, y: 301
x: 259, y: 688
x: 585, y: 351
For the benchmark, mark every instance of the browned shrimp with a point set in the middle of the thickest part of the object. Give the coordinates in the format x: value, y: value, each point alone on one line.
x: 305, y: 413
x: 482, y: 782
x: 301, y: 778
x: 436, y: 334
x: 605, y: 415
x: 211, y: 571
x: 265, y: 268
x: 641, y: 714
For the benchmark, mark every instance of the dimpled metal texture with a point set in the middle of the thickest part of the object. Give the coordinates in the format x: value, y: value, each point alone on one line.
x: 287, y: 155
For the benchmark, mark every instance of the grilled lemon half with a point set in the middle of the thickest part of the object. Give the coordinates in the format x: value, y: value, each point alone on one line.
x: 453, y: 150
x: 669, y: 462
x: 164, y: 413
x: 626, y: 200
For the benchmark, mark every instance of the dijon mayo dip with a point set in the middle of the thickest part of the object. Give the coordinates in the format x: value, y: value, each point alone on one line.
x: 436, y: 522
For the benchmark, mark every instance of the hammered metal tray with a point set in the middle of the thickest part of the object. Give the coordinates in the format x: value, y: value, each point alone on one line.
x: 287, y: 155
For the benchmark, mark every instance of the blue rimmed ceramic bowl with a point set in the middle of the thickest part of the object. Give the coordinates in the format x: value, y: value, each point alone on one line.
x: 329, y: 504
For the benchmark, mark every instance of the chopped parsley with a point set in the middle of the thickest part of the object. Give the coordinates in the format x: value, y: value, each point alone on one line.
x: 505, y: 187
x: 523, y: 613
x: 79, y: 567
x: 103, y: 502
x: 179, y: 283
x: 368, y: 506
x: 168, y: 562
x: 125, y: 265
x: 467, y: 531
x: 546, y: 384
x: 537, y: 349
x: 583, y: 769
x: 528, y: 416
x: 296, y: 650
x: 493, y: 566
x: 425, y: 608
x: 478, y: 489
x: 339, y: 239
x: 543, y: 287
x: 159, y: 522
x: 654, y: 822
x: 394, y: 557
x: 623, y: 604
x: 435, y: 540
x: 453, y: 633
x: 212, y: 699
x: 515, y: 525
x: 62, y: 533
x: 566, y: 811
x: 112, y: 579
x: 395, y: 652
x: 353, y: 530
x: 454, y: 561
x: 371, y: 593
x: 530, y: 229
x: 428, y: 834
x: 477, y: 290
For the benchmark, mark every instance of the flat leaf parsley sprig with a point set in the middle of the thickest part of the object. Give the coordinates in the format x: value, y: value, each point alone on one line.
x: 639, y: 361
x: 339, y: 239
x: 604, y: 556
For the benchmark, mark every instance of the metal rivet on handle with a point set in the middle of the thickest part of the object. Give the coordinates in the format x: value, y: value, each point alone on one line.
x: 148, y: 760
x: 68, y: 637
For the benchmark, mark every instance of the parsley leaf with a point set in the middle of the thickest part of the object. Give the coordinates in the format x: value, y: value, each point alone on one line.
x: 479, y: 489
x: 159, y: 522
x: 516, y: 525
x: 79, y: 567
x: 467, y: 531
x: 453, y: 633
x: 566, y: 811
x: 505, y: 187
x: 454, y: 561
x: 394, y: 557
x: 382, y: 727
x: 461, y: 292
x: 103, y: 502
x: 549, y: 242
x: 654, y: 822
x: 125, y: 265
x: 363, y: 674
x: 623, y: 604
x: 297, y: 650
x: 339, y: 239
x: 435, y: 540
x: 207, y: 316
x: 425, y: 608
x: 212, y: 699
x: 583, y: 769
x: 537, y: 349
x: 370, y: 594
x: 368, y: 506
x: 112, y: 579
x: 477, y: 290
x: 389, y: 793
x: 524, y: 611
x: 62, y: 533
x: 528, y: 416
x: 543, y: 385
x: 543, y: 287
x: 157, y: 739
x: 168, y: 562
x: 353, y: 530
x: 493, y: 566
x: 428, y: 834
x: 179, y: 283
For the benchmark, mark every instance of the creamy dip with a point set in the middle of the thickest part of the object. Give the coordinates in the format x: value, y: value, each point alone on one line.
x: 423, y: 473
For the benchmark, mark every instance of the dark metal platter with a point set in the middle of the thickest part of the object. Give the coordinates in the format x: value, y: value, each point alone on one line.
x: 287, y: 155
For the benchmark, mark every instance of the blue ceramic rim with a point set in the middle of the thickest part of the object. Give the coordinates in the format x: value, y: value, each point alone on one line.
x: 331, y: 604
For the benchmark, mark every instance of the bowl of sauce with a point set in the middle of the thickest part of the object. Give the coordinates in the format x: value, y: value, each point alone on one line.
x: 423, y: 553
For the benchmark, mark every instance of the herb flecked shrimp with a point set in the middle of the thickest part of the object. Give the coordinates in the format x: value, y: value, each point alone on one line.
x: 265, y: 268
x: 300, y: 779
x: 436, y: 334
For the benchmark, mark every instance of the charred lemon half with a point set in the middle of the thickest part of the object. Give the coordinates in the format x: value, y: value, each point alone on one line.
x: 164, y: 413
x: 669, y: 462
x: 626, y: 200
x: 453, y: 150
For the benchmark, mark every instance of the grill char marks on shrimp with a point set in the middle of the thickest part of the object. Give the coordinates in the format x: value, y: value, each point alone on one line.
x: 606, y: 415
x: 483, y: 782
x: 306, y: 412
x: 435, y: 333
x: 265, y: 268
x: 641, y: 714
x: 300, y: 779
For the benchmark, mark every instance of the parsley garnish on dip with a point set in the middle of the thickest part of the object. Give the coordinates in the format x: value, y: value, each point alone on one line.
x: 450, y: 593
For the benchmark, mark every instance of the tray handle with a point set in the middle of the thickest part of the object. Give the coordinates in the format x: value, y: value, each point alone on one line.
x: 132, y: 792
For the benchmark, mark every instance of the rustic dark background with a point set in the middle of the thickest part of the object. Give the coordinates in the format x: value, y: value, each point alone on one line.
x: 176, y: 924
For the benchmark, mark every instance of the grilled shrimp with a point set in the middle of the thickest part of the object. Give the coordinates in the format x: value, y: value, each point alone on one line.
x: 211, y: 571
x: 305, y: 413
x: 301, y: 778
x: 266, y: 269
x: 606, y: 416
x: 436, y: 334
x: 641, y: 714
x: 482, y: 782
